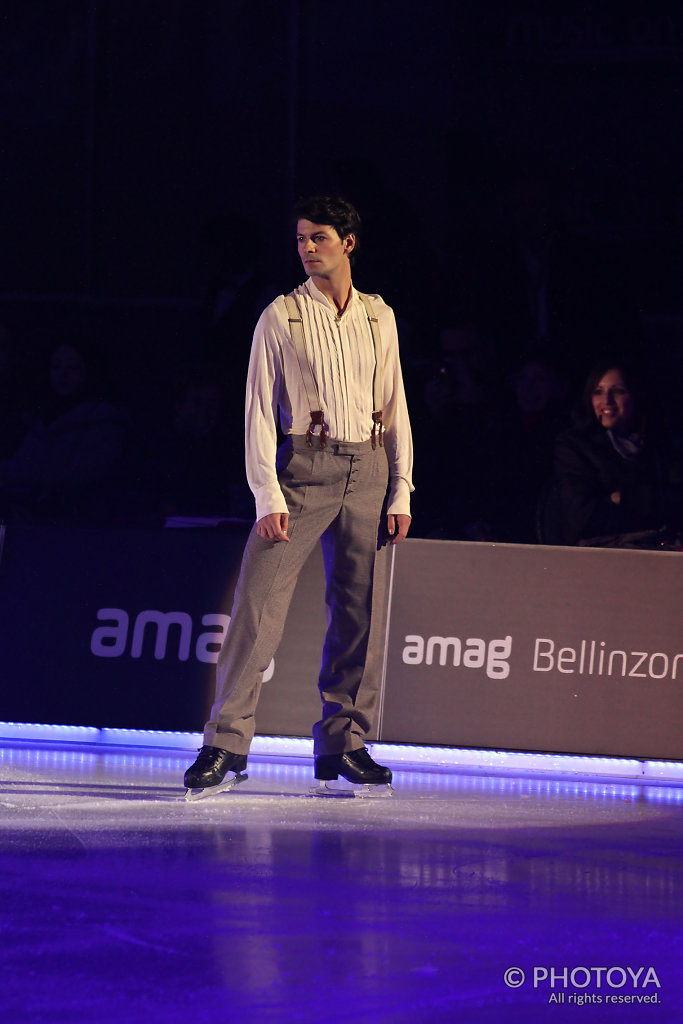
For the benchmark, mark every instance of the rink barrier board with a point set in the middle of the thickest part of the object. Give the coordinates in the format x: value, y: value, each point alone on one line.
x: 536, y: 648
x: 499, y: 647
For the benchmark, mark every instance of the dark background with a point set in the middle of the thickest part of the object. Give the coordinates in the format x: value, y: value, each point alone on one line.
x: 139, y: 137
x: 127, y: 124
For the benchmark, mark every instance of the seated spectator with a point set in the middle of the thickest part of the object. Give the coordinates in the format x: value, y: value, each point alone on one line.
x: 612, y: 474
x: 67, y: 468
x: 16, y: 382
x: 195, y: 464
x: 526, y: 419
x: 450, y: 424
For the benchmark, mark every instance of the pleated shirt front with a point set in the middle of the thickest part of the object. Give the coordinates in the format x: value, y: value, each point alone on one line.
x: 342, y: 358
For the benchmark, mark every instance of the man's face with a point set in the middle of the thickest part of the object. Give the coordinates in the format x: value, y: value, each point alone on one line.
x: 321, y: 249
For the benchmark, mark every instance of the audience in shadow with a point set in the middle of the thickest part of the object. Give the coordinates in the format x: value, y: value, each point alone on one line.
x: 615, y: 474
x: 450, y: 416
x: 530, y: 412
x: 68, y: 467
x: 237, y: 291
x: 530, y: 279
x: 529, y: 303
x: 17, y: 384
x: 193, y: 466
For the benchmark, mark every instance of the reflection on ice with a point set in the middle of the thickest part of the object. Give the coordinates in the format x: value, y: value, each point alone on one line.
x: 152, y: 908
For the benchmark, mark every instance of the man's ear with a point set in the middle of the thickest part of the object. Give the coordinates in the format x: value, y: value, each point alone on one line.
x: 349, y: 244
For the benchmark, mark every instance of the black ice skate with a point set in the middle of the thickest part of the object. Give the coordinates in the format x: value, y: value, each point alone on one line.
x: 364, y: 776
x: 208, y: 774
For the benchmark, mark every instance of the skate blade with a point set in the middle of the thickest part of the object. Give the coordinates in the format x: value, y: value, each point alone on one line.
x: 341, y: 789
x: 201, y: 794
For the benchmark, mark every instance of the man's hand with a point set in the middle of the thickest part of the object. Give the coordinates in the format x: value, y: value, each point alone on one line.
x: 273, y: 527
x: 397, y: 527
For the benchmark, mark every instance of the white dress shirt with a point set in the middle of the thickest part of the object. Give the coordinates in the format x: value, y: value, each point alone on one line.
x: 342, y: 357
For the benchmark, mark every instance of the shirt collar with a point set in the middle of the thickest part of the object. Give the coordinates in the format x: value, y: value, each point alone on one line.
x: 319, y: 296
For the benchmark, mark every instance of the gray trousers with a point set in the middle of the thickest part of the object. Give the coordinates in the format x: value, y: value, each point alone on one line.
x: 334, y: 495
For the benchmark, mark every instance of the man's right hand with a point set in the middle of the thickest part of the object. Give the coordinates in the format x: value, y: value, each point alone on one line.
x: 273, y: 527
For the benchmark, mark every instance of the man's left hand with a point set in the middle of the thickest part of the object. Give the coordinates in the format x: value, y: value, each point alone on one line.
x: 397, y: 528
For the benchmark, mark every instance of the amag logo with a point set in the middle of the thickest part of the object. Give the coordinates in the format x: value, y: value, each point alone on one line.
x: 474, y: 652
x: 170, y: 633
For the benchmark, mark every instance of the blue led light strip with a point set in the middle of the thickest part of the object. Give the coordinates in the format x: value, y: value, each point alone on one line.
x: 408, y: 757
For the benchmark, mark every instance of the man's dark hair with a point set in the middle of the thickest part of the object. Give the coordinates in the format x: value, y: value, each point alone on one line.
x: 339, y: 213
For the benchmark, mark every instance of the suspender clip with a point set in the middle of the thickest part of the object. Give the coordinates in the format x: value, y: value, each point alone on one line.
x: 316, y: 421
x: 377, y: 430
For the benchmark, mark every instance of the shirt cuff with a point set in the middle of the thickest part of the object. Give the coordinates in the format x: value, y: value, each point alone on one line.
x: 399, y: 498
x: 269, y: 499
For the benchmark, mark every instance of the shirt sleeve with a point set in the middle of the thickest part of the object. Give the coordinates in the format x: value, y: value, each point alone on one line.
x: 398, y: 440
x: 264, y: 384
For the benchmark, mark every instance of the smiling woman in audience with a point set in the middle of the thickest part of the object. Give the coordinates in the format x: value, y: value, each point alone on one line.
x: 613, y: 475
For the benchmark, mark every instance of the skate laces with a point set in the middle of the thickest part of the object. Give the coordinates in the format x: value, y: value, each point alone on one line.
x: 208, y: 757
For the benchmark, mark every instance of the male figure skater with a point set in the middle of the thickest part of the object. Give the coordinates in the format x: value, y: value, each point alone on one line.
x: 327, y: 357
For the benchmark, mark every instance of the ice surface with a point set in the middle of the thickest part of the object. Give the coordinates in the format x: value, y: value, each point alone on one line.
x: 123, y: 902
